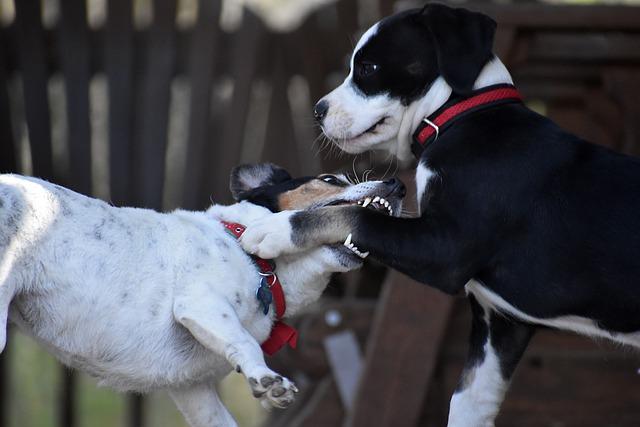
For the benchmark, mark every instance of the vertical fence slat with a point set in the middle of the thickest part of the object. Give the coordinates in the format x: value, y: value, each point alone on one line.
x: 153, y: 106
x: 227, y: 147
x: 119, y: 70
x: 66, y: 396
x: 73, y: 49
x: 7, y: 147
x: 34, y: 72
x: 201, y: 69
x: 280, y: 143
x: 135, y: 411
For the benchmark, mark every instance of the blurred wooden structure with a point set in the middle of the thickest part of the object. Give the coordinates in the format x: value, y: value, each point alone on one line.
x: 250, y: 96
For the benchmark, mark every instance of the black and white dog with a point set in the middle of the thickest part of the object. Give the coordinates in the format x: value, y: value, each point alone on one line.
x: 143, y: 300
x: 536, y: 225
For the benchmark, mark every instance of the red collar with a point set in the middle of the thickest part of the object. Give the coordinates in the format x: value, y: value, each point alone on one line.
x: 281, y: 333
x: 432, y: 127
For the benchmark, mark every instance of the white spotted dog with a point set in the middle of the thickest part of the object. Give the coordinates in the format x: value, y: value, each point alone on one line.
x: 536, y: 225
x: 143, y: 300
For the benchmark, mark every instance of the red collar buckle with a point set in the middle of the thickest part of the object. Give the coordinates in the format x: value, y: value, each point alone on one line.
x: 435, y: 125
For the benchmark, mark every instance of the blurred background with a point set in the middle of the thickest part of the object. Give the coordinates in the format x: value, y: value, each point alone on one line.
x: 152, y: 102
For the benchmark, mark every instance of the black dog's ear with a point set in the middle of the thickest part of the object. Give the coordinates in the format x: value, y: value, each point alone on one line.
x: 463, y: 43
x: 247, y: 177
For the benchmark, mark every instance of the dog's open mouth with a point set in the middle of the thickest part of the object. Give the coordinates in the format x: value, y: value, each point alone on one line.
x: 375, y: 203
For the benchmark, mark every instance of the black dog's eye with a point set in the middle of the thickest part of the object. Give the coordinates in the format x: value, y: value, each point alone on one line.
x: 367, y: 68
x: 330, y: 179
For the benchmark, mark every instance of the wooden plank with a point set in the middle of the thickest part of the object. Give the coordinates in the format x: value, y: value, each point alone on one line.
x: 623, y: 83
x: 322, y: 409
x: 74, y: 59
x: 280, y: 145
x: 387, y: 7
x: 249, y: 46
x: 587, y: 47
x: 504, y: 42
x: 153, y: 107
x: 201, y: 72
x: 401, y: 355
x: 135, y: 411
x: 544, y: 16
x: 34, y: 73
x: 348, y: 16
x: 119, y: 71
x: 7, y: 147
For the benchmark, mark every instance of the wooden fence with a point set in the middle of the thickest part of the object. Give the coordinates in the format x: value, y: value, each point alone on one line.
x: 242, y: 95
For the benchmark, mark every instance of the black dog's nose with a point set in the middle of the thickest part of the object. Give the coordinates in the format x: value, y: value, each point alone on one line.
x: 397, y: 185
x: 320, y: 110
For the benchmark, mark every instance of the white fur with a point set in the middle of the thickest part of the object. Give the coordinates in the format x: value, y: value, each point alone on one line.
x: 423, y: 177
x: 478, y: 404
x: 143, y: 300
x: 580, y: 325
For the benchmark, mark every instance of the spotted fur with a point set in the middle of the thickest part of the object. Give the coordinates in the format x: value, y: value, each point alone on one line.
x: 143, y: 300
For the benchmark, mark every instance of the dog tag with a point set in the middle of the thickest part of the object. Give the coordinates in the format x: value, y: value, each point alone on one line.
x: 264, y: 295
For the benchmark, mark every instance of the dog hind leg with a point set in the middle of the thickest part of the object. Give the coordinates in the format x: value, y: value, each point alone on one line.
x: 201, y: 406
x: 220, y: 331
x: 495, y: 348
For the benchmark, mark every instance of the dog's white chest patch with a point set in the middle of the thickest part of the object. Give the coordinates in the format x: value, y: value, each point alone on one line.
x: 423, y: 177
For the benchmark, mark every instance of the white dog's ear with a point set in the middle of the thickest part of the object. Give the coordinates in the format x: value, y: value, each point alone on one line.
x: 248, y: 177
x: 463, y: 42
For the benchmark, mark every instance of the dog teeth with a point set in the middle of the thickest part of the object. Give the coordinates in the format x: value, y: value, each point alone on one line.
x: 359, y: 202
x: 354, y: 248
x: 366, y: 202
x: 376, y: 199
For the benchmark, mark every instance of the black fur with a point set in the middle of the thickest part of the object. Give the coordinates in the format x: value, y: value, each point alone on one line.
x: 262, y: 183
x: 412, y: 48
x: 246, y: 178
x: 461, y: 53
x: 545, y: 220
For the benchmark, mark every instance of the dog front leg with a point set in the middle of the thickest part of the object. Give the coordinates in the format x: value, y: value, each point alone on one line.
x: 495, y: 348
x: 201, y: 406
x: 217, y: 327
x: 427, y: 249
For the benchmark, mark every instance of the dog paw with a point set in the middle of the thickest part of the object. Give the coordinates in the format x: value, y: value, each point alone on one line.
x: 273, y: 390
x: 269, y: 237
